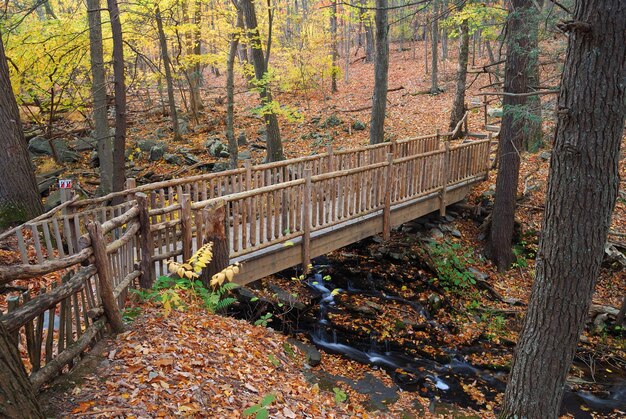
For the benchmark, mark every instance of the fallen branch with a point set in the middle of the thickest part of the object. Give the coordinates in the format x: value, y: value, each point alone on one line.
x: 537, y: 93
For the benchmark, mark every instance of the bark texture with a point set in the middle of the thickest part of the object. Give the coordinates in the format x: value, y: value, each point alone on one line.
x: 19, y: 196
x: 434, y: 87
x: 168, y: 74
x: 273, y: 141
x: 458, y: 106
x: 334, y: 53
x: 99, y: 94
x: 582, y: 189
x: 511, y: 134
x: 119, y: 160
x: 230, y: 90
x: 381, y: 69
x: 17, y: 398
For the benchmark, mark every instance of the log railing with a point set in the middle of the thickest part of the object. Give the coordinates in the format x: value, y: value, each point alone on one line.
x: 98, y: 253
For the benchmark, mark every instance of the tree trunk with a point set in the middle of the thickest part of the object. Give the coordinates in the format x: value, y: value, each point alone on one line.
x: 99, y: 93
x: 119, y: 159
x: 511, y: 135
x: 19, y: 195
x: 168, y: 74
x: 434, y: 35
x: 458, y: 107
x: 274, y: 144
x: 230, y: 90
x: 533, y: 136
x: 583, y: 186
x: 381, y: 68
x: 17, y: 398
x: 333, y: 35
x: 369, y: 35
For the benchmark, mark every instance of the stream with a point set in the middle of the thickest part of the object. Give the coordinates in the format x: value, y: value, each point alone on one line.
x: 347, y: 298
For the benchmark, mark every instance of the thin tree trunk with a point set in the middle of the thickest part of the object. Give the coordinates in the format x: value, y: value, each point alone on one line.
x: 274, y: 144
x: 381, y: 68
x: 582, y: 187
x: 230, y: 90
x: 119, y: 147
x: 458, y: 107
x: 333, y: 34
x: 434, y: 35
x: 533, y: 137
x: 369, y: 35
x: 19, y: 195
x: 17, y: 398
x: 98, y: 91
x: 511, y: 135
x: 168, y: 74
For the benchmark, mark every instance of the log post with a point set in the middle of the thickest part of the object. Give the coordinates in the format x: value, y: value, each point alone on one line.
x: 147, y: 245
x: 185, y: 220
x: 438, y: 138
x: 488, y: 155
x: 216, y: 231
x: 444, y: 187
x: 485, y: 116
x: 331, y: 159
x: 111, y: 310
x: 394, y: 148
x: 130, y: 183
x: 306, y: 221
x: 465, y: 118
x: 387, y: 208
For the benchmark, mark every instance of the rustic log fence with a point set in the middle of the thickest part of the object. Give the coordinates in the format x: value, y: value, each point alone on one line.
x: 272, y: 216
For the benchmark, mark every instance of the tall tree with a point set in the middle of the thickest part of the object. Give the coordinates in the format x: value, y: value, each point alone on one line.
x: 119, y: 147
x: 516, y: 76
x: 381, y: 69
x: 99, y: 94
x: 458, y: 106
x: 17, y: 398
x: 335, y: 54
x: 434, y: 86
x: 230, y: 87
x: 533, y: 135
x: 273, y: 142
x: 169, y: 81
x: 19, y: 195
x: 583, y: 186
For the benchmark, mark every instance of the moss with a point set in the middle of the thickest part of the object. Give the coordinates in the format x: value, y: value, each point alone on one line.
x: 11, y: 214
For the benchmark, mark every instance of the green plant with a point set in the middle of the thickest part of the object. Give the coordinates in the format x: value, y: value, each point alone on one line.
x: 130, y: 314
x: 450, y: 264
x: 264, y: 320
x: 340, y: 395
x: 260, y: 409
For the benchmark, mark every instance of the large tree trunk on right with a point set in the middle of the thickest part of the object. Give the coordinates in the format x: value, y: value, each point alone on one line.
x: 17, y: 398
x: 582, y: 189
x: 511, y: 134
x: 119, y: 159
x: 381, y: 69
x: 168, y: 74
x: 273, y: 142
x: 533, y: 136
x: 99, y: 93
x: 19, y: 195
x: 458, y: 107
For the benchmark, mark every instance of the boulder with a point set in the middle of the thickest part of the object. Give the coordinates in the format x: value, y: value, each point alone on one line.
x: 94, y: 159
x: 244, y: 155
x: 53, y: 200
x: 313, y: 356
x: 358, y: 125
x: 157, y: 152
x: 220, y: 166
x: 147, y: 144
x: 241, y: 139
x: 190, y: 158
x: 183, y: 126
x: 545, y: 155
x: 40, y: 146
x: 216, y: 148
x: 173, y: 159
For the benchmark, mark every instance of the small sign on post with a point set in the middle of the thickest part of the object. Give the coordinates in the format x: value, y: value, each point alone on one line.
x: 65, y: 183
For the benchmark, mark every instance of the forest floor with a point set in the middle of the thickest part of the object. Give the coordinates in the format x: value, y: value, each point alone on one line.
x: 192, y: 363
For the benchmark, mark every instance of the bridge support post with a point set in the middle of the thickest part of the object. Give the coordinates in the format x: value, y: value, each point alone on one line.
x: 185, y: 220
x: 306, y: 221
x: 216, y: 231
x: 147, y: 245
x: 487, y: 156
x: 387, y: 207
x: 111, y: 310
x: 444, y: 187
x: 331, y: 158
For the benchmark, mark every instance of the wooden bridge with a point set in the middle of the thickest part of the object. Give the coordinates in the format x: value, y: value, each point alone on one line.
x: 275, y: 216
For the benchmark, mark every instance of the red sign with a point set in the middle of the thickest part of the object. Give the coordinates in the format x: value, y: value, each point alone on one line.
x: 65, y: 183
